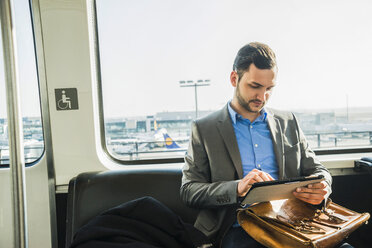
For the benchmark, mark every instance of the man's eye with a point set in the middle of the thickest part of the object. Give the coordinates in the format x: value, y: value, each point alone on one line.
x: 254, y: 86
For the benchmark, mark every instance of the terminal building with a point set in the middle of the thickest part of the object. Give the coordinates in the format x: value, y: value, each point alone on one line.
x: 176, y: 123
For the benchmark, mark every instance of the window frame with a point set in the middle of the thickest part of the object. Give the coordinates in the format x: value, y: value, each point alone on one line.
x: 36, y: 161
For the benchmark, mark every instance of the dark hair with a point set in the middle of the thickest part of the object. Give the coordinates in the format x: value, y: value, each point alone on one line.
x: 257, y: 53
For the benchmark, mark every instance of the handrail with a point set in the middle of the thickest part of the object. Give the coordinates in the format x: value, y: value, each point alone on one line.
x: 17, y: 164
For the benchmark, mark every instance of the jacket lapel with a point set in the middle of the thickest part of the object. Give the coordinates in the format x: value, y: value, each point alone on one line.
x: 276, y: 134
x: 226, y: 130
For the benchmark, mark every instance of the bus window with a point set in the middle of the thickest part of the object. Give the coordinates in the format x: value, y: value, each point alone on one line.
x: 165, y: 63
x: 29, y: 93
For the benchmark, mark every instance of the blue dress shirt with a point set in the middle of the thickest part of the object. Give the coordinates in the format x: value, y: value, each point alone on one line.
x: 255, y: 143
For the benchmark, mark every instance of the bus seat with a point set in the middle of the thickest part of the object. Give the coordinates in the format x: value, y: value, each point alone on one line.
x: 91, y: 193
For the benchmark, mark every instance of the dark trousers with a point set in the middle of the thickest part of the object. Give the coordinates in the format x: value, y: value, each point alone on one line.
x: 236, y: 237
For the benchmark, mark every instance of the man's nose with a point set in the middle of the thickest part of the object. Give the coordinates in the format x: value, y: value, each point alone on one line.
x: 262, y: 95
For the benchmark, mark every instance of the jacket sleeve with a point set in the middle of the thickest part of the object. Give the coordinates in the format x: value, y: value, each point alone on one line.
x: 310, y: 165
x: 197, y: 189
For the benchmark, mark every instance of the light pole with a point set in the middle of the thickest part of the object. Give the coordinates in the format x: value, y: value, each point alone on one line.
x: 198, y: 83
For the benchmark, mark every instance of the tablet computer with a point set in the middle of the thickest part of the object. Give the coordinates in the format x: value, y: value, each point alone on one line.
x: 277, y: 189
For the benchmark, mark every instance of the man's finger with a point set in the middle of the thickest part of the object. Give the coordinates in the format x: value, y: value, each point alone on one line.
x: 320, y: 191
x: 250, y: 174
x: 309, y: 195
x: 309, y: 200
x: 271, y: 178
x: 258, y: 178
x: 317, y: 185
x: 264, y: 176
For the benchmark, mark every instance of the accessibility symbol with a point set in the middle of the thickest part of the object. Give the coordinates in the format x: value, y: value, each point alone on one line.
x: 66, y: 99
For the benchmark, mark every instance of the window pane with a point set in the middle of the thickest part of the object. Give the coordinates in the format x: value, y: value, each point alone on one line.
x: 30, y: 102
x: 150, y: 49
x: 4, y: 143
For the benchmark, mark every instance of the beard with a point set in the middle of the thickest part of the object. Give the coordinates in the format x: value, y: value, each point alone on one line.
x: 245, y: 104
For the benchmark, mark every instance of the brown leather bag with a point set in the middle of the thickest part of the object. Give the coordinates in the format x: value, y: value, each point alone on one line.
x: 294, y: 223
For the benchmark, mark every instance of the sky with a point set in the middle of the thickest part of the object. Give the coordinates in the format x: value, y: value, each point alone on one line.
x: 147, y: 47
x: 323, y: 51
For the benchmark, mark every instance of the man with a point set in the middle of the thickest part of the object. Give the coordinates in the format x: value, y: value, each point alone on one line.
x: 245, y: 143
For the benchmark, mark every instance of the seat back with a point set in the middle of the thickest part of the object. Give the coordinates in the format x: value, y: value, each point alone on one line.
x: 91, y: 193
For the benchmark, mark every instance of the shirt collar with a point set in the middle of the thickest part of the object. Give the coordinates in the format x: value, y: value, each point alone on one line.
x: 234, y: 114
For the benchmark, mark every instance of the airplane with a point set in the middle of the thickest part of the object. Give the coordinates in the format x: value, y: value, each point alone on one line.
x: 169, y: 142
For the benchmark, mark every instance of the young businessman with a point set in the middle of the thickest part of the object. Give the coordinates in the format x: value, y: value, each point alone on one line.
x: 244, y: 143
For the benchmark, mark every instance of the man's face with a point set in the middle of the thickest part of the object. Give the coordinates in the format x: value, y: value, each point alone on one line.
x: 254, y: 88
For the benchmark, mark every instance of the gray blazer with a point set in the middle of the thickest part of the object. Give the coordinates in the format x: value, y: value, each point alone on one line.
x: 213, y: 166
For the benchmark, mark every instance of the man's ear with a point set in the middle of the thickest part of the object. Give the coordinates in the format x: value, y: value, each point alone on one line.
x: 234, y: 77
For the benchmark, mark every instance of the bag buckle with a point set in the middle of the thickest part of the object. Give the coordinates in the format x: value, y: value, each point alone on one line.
x: 305, y: 226
x: 332, y: 216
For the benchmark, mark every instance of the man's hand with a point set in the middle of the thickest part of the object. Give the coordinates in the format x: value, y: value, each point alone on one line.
x: 313, y: 193
x: 252, y: 177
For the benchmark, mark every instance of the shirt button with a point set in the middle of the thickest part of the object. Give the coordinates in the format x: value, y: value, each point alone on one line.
x: 251, y: 126
x: 255, y: 145
x: 259, y: 165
